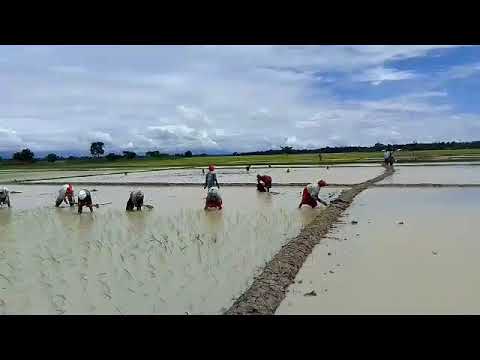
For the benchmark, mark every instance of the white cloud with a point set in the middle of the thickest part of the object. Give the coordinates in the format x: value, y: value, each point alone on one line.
x: 99, y: 136
x: 377, y: 75
x: 463, y: 71
x: 9, y: 139
x: 234, y: 98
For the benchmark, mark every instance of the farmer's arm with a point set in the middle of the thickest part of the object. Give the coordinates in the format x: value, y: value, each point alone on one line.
x: 321, y: 201
x: 216, y: 181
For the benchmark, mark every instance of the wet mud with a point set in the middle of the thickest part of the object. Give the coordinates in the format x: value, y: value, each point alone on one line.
x: 269, y: 288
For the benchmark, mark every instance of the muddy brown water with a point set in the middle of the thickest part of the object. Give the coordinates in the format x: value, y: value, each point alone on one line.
x: 428, y: 265
x: 459, y: 174
x: 11, y: 175
x: 174, y: 259
x: 339, y: 175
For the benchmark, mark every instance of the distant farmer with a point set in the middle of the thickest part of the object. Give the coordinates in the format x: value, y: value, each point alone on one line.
x: 4, y: 197
x: 213, y: 200
x: 310, y: 195
x: 391, y: 159
x: 64, y: 194
x: 135, y: 201
x: 248, y: 167
x: 203, y: 171
x: 84, y: 199
x: 211, y: 178
x: 386, y: 157
x: 264, y: 183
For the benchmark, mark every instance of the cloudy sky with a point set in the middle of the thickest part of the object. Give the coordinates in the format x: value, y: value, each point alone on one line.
x: 235, y: 98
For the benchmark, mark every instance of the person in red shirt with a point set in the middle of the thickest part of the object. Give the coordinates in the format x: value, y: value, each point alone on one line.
x: 310, y: 195
x: 264, y: 183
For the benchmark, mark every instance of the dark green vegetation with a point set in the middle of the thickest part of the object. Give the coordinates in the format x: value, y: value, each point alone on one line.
x: 281, y: 159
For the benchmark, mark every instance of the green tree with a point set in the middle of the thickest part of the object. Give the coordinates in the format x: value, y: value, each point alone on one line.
x: 26, y: 155
x: 96, y: 149
x: 287, y: 149
x: 113, y: 157
x: 188, y: 153
x: 52, y: 157
x: 129, y: 155
x: 153, y: 153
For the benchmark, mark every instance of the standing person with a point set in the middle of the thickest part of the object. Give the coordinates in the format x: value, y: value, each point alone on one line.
x: 264, y: 183
x: 248, y: 167
x: 211, y: 178
x: 135, y: 201
x: 386, y: 157
x: 214, y: 199
x: 64, y: 194
x: 84, y: 199
x: 391, y: 158
x: 4, y: 196
x: 203, y: 171
x: 310, y: 195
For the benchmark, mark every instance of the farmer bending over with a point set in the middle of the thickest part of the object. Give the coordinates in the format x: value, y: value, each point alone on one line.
x: 135, y: 201
x: 264, y: 183
x: 64, y: 194
x: 310, y: 195
x: 211, y: 178
x: 214, y: 200
x: 84, y: 199
x: 4, y: 197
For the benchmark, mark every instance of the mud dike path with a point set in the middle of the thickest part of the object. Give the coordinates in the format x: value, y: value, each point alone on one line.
x: 269, y: 288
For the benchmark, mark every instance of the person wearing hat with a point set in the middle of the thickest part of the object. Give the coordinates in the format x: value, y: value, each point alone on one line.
x: 211, y: 178
x: 264, y: 183
x: 213, y: 200
x: 84, y: 199
x: 64, y: 194
x: 310, y: 195
x: 4, y: 197
x: 135, y: 201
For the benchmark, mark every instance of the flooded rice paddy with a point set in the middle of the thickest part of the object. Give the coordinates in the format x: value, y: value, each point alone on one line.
x: 427, y: 265
x: 337, y: 175
x: 459, y: 174
x: 173, y: 259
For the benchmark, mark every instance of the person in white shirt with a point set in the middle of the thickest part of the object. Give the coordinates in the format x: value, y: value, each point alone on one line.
x: 214, y: 199
x: 310, y: 195
x: 4, y: 197
x: 64, y: 194
x: 386, y: 157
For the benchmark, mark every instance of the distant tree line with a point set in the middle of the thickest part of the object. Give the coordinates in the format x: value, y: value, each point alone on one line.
x: 97, y: 149
x: 414, y: 146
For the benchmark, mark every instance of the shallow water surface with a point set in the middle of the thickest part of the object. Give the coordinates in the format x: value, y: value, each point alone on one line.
x: 338, y: 175
x: 427, y: 265
x: 173, y: 259
x: 458, y: 174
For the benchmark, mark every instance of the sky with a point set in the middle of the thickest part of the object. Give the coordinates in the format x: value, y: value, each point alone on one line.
x: 222, y: 99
